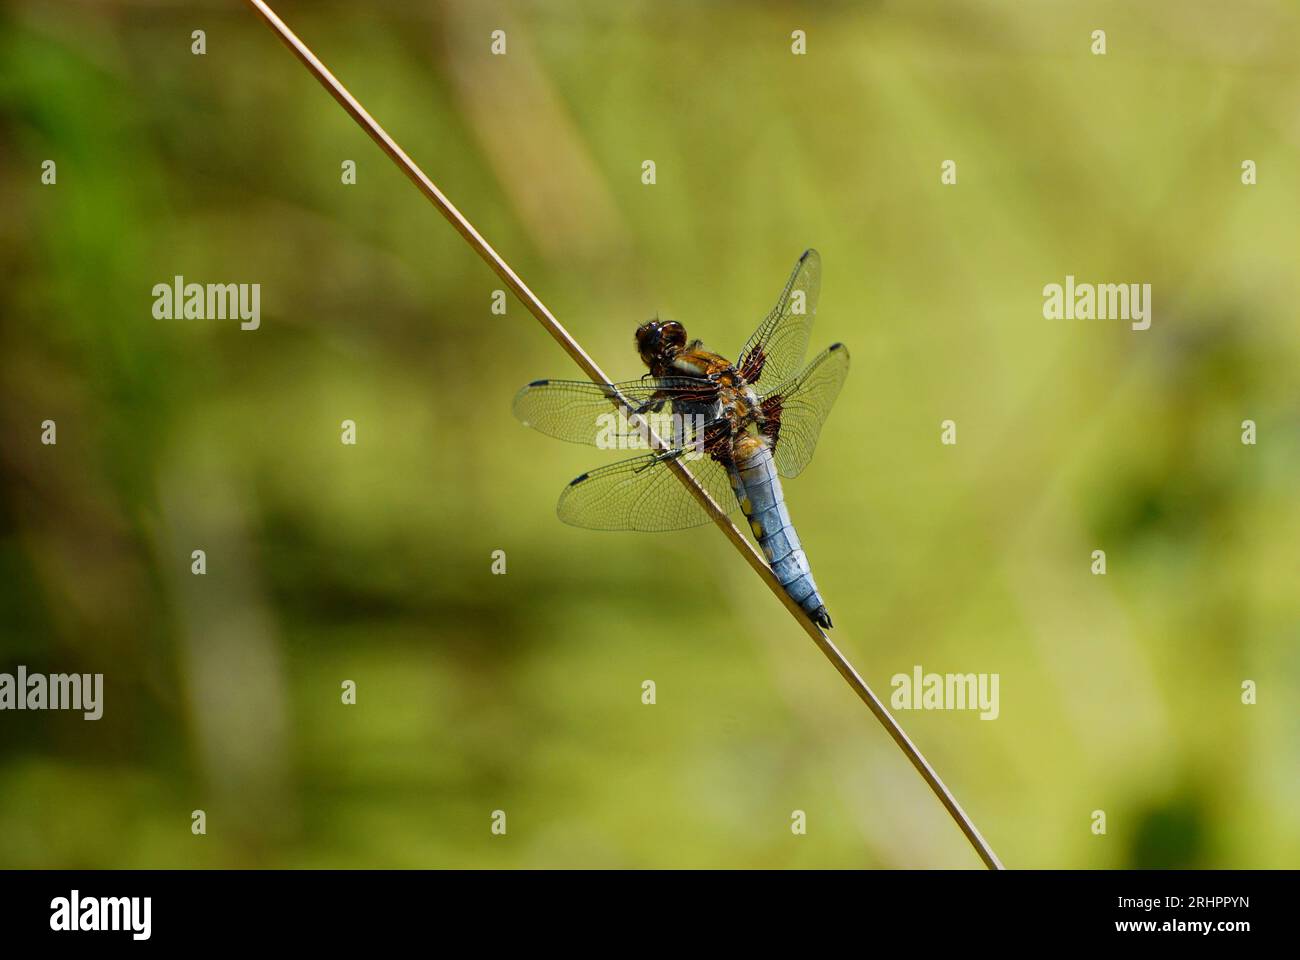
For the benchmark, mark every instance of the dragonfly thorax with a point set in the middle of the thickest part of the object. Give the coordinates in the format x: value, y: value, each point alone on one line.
x: 739, y: 404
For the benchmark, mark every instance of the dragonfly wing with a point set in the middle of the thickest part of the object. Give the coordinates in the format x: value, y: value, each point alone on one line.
x: 580, y: 411
x: 642, y: 494
x: 796, y: 410
x: 776, y: 350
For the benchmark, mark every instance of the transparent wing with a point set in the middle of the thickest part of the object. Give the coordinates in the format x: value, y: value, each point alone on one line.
x: 796, y: 410
x: 775, y: 352
x: 642, y: 494
x: 580, y: 411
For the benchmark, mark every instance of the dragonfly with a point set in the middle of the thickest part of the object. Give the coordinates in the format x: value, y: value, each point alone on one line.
x: 737, y: 427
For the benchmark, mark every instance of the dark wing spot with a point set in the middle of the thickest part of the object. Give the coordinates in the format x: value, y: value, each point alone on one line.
x: 577, y: 480
x: 539, y: 383
x: 772, y: 418
x: 751, y: 367
x: 836, y: 346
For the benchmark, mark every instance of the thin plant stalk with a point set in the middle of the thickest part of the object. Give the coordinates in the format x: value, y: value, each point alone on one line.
x: 580, y: 356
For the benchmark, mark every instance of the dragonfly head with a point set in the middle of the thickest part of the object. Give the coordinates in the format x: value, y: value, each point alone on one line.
x: 658, y: 341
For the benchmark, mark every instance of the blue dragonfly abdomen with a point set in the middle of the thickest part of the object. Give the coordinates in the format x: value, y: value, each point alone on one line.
x: 757, y: 487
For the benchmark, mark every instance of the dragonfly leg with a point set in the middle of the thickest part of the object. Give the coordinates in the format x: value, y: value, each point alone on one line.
x: 658, y: 458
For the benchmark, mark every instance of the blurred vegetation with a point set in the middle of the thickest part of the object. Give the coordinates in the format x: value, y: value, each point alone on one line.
x: 522, y: 692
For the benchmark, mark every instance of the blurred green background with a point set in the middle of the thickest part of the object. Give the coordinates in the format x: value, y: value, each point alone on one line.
x: 522, y: 692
